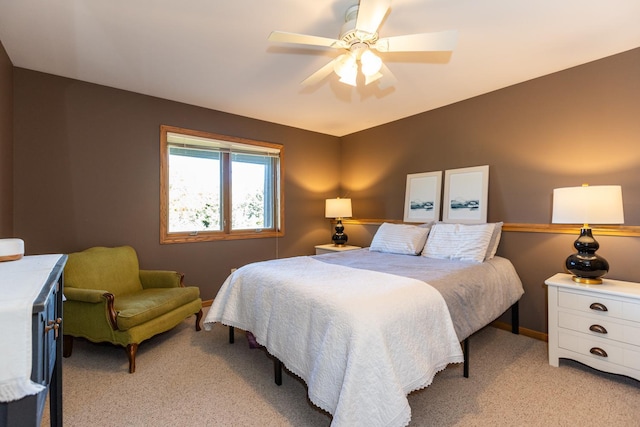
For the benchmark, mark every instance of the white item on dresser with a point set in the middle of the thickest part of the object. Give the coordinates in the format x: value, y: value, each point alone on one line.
x: 11, y: 249
x: 598, y: 325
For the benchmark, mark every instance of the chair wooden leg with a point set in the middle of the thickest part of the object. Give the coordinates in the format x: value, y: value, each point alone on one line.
x: 67, y: 345
x: 132, y: 349
x: 198, y: 317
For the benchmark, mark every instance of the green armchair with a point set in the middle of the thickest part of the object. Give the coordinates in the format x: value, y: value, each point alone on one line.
x: 109, y: 299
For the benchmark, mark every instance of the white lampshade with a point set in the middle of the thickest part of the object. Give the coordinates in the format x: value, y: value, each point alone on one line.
x: 337, y: 208
x: 598, y: 204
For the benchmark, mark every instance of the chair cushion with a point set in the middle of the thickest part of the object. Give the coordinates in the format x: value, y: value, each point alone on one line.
x: 115, y: 270
x: 140, y: 307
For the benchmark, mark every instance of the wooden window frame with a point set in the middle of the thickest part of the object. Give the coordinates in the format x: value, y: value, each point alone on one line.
x: 226, y: 233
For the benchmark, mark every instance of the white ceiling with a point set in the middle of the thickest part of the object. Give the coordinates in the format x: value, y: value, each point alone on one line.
x: 215, y: 53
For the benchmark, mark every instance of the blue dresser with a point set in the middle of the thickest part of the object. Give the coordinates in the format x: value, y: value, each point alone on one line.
x: 46, y: 341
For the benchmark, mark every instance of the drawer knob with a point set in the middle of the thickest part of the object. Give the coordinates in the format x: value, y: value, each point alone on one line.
x: 53, y: 325
x: 598, y: 328
x: 598, y: 352
x: 598, y: 307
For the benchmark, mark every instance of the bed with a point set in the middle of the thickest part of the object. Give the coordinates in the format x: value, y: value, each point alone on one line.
x: 365, y: 328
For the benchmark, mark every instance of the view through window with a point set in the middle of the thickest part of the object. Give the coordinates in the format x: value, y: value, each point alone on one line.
x: 218, y: 187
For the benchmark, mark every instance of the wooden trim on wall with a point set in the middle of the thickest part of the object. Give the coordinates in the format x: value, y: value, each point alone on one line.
x: 370, y: 221
x: 523, y: 331
x: 617, y: 230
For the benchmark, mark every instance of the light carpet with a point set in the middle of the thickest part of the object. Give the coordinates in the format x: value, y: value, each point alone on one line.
x: 187, y: 378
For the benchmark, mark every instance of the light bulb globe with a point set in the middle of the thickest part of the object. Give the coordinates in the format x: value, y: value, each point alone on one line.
x: 371, y: 63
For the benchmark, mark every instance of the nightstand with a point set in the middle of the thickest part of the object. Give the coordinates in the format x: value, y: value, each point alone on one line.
x: 330, y: 247
x: 598, y: 325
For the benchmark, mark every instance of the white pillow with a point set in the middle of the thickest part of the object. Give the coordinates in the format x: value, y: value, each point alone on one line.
x: 495, y: 241
x: 465, y: 242
x: 400, y: 238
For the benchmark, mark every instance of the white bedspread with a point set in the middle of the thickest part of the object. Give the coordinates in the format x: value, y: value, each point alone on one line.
x: 361, y: 340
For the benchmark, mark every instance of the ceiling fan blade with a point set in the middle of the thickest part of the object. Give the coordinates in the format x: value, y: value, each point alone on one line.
x: 388, y: 79
x: 373, y: 78
x: 370, y: 15
x: 425, y: 42
x: 321, y: 73
x: 284, y: 37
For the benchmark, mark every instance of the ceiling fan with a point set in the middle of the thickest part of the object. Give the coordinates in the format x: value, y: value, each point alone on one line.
x: 359, y: 37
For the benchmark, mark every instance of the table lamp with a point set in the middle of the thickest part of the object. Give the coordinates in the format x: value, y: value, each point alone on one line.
x: 338, y: 209
x: 598, y: 204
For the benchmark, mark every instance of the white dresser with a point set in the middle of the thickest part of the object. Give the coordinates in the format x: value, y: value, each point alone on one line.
x: 598, y: 325
x: 329, y: 248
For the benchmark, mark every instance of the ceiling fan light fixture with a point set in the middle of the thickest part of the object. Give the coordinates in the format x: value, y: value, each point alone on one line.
x: 350, y: 80
x: 349, y: 75
x: 358, y: 36
x: 345, y: 64
x: 347, y: 68
x: 371, y: 63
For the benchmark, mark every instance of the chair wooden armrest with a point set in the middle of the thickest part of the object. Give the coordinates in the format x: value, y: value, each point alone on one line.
x: 95, y: 296
x: 84, y: 295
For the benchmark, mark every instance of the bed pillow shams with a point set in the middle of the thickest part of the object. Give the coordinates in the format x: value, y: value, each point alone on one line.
x: 495, y: 241
x: 465, y: 242
x: 401, y: 239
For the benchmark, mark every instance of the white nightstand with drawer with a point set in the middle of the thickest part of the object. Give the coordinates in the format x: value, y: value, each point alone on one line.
x: 598, y: 325
x: 330, y: 247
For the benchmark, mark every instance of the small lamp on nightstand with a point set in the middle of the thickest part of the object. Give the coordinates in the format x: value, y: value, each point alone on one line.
x: 598, y: 204
x: 338, y: 209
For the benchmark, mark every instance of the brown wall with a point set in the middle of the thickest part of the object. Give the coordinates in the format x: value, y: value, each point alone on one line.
x: 87, y: 173
x: 86, y: 169
x: 6, y: 145
x: 576, y: 126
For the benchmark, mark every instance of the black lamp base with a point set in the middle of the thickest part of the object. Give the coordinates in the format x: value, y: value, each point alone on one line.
x: 339, y: 238
x: 587, y: 267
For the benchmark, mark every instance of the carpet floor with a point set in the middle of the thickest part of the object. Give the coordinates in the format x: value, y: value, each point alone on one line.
x: 187, y: 378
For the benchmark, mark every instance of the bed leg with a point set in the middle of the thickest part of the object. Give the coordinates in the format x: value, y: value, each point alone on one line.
x: 465, y: 352
x: 515, y: 318
x: 231, y: 335
x: 277, y: 370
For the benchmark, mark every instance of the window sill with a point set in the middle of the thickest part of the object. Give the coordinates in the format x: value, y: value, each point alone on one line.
x: 213, y: 237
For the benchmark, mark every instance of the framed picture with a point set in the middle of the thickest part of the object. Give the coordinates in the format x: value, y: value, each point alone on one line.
x: 422, y: 197
x: 466, y: 194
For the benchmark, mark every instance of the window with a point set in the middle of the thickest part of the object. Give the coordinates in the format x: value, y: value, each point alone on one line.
x: 216, y: 187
